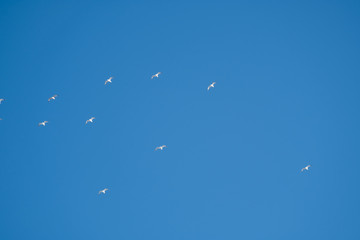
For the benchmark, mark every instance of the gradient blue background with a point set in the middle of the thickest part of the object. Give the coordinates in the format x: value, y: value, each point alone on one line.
x: 287, y: 95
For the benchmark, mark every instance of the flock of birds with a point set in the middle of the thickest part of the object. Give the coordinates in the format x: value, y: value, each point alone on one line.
x: 91, y: 120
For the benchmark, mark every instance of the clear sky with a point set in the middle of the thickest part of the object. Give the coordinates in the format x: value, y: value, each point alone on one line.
x: 286, y: 95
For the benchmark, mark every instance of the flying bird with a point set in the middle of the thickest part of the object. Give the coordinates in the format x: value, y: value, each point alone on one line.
x: 306, y: 168
x: 211, y: 86
x: 1, y: 100
x: 155, y: 75
x: 90, y: 120
x: 108, y: 80
x: 103, y: 191
x: 53, y: 97
x: 43, y: 123
x: 160, y: 147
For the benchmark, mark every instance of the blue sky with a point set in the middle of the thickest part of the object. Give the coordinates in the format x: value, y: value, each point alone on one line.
x: 287, y: 95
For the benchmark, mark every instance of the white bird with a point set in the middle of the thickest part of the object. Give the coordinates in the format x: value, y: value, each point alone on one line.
x: 90, y: 120
x: 155, y: 75
x: 43, y: 123
x: 306, y: 168
x: 1, y: 100
x: 211, y: 86
x: 53, y: 97
x: 103, y: 191
x: 108, y: 80
x: 160, y: 147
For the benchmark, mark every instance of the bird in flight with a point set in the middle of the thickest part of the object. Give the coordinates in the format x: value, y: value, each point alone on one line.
x: 1, y: 100
x: 306, y: 168
x: 90, y: 120
x: 211, y: 86
x: 160, y: 147
x: 53, y: 97
x: 108, y: 80
x: 103, y: 191
x: 43, y: 123
x: 155, y: 75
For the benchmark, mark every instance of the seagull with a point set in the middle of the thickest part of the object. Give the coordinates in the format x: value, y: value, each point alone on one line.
x: 155, y: 75
x: 306, y: 168
x: 1, y: 100
x: 53, y: 97
x: 103, y: 191
x: 90, y: 120
x: 43, y: 123
x: 211, y: 86
x: 108, y: 80
x: 161, y: 147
